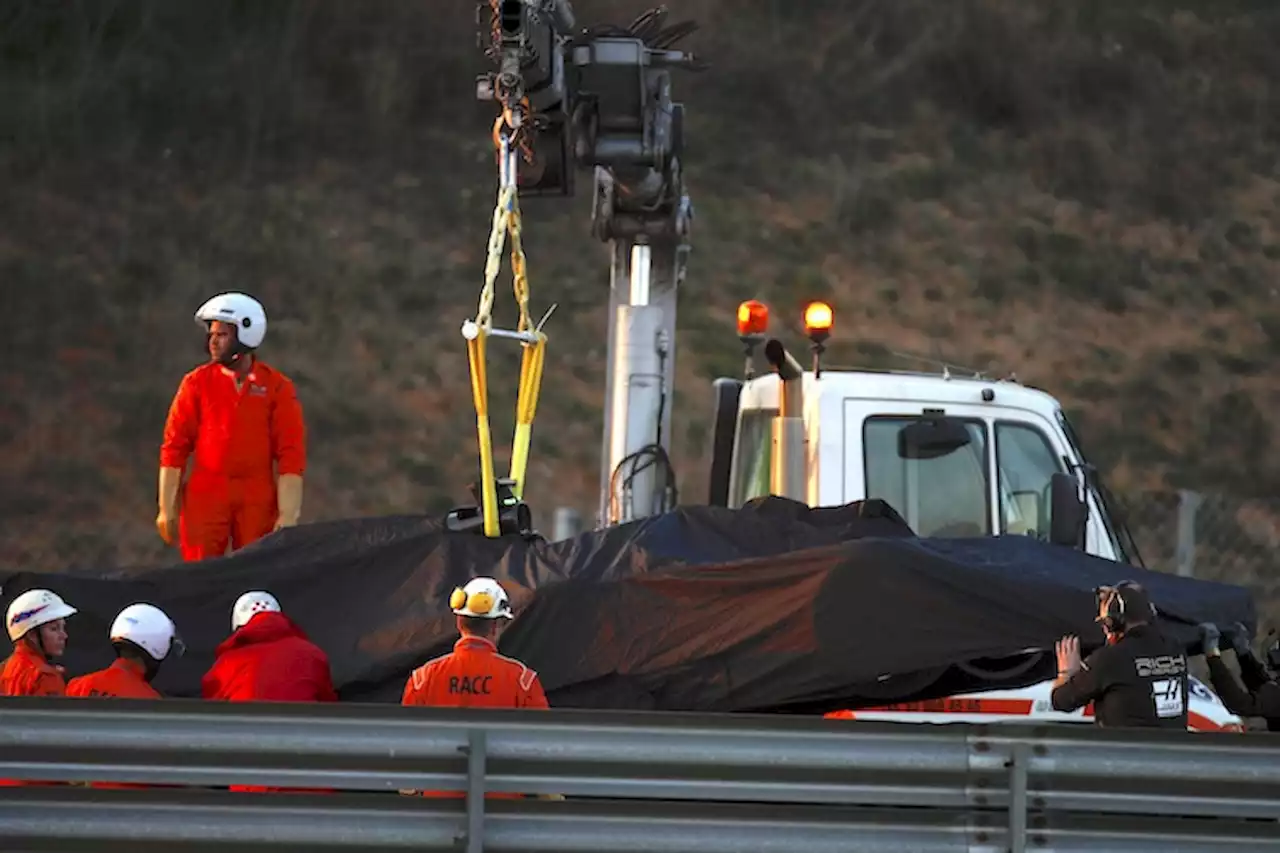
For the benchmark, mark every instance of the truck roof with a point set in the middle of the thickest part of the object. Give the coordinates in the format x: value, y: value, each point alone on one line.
x: 906, y: 387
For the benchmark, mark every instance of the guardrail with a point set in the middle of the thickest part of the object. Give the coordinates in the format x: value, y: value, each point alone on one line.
x: 631, y: 782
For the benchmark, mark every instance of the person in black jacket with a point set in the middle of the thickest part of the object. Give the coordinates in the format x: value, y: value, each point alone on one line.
x: 1260, y: 694
x: 1138, y: 679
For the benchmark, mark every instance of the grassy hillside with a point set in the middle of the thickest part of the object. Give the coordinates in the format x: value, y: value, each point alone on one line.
x: 1083, y: 193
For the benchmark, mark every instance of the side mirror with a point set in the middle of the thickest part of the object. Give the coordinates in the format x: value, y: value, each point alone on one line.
x: 932, y: 437
x: 1068, y: 512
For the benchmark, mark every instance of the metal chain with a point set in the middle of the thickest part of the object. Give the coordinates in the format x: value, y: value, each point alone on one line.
x: 493, y: 264
x: 506, y: 220
x: 519, y: 278
x: 495, y: 25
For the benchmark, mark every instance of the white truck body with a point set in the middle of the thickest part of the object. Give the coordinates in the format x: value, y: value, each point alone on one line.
x: 1024, y: 441
x: 996, y: 485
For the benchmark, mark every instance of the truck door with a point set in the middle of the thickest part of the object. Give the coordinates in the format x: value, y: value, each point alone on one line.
x: 1029, y: 451
x: 940, y: 492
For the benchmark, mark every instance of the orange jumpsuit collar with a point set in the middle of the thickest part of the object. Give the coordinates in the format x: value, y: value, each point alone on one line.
x: 26, y: 650
x: 472, y: 642
x: 132, y: 667
x: 27, y: 669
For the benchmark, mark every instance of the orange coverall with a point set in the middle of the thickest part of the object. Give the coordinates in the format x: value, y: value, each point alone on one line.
x: 237, y: 435
x: 29, y: 673
x: 122, y: 680
x: 270, y: 659
x: 26, y: 672
x: 474, y: 676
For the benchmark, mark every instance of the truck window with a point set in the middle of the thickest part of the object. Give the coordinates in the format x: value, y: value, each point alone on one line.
x: 1025, y: 461
x: 944, y: 496
x: 753, y: 456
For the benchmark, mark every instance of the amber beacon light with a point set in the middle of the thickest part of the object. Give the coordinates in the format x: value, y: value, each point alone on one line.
x: 818, y: 319
x: 753, y: 318
x: 753, y: 322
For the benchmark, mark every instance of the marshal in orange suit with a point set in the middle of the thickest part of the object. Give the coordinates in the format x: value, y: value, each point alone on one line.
x: 239, y: 422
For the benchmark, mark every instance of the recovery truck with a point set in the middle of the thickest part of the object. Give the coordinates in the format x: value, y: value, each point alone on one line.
x: 958, y: 456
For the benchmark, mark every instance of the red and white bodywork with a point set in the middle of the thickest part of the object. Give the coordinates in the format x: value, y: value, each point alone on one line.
x: 1206, y: 713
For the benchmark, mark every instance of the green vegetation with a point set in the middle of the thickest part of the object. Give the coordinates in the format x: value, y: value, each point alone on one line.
x: 1084, y: 193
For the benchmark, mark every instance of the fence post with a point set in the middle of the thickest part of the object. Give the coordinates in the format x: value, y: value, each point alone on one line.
x: 1185, y: 555
x: 568, y: 523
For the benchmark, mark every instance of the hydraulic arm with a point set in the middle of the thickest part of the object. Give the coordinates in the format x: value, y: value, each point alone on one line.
x: 642, y: 211
x: 600, y: 99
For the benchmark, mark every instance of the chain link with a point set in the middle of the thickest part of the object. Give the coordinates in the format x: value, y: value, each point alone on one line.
x: 506, y: 221
x: 493, y: 263
x: 519, y: 277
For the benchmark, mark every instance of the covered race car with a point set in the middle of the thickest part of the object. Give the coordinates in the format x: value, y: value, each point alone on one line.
x: 774, y: 607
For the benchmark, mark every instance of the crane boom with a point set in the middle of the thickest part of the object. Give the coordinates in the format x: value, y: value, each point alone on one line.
x: 600, y: 99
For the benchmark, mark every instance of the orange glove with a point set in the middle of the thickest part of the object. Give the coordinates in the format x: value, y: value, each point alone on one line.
x: 167, y: 518
x: 289, y: 500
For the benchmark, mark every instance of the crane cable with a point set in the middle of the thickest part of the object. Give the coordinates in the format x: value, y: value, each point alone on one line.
x: 506, y: 222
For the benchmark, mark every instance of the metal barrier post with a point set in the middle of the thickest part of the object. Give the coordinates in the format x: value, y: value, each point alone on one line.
x: 568, y: 523
x: 1018, y: 798
x: 1185, y: 552
x: 475, y: 791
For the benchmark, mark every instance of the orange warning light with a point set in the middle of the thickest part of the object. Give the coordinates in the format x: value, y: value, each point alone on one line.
x: 753, y: 318
x: 817, y: 318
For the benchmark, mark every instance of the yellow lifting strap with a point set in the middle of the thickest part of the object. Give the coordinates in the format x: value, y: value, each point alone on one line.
x: 506, y: 221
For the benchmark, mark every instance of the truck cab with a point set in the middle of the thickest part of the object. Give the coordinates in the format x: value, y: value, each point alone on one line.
x: 957, y: 456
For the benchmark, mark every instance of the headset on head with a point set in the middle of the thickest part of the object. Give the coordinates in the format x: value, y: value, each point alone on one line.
x: 1114, y: 618
x: 482, y: 603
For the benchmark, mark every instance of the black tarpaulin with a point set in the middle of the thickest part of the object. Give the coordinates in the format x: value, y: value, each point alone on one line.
x: 867, y: 621
x: 771, y: 607
x: 373, y: 592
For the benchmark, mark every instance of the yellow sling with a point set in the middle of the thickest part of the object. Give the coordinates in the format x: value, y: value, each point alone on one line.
x: 506, y: 220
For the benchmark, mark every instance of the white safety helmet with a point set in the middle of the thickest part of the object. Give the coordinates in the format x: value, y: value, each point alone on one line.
x: 34, y: 608
x: 150, y: 629
x: 251, y: 604
x: 243, y: 312
x: 483, y: 598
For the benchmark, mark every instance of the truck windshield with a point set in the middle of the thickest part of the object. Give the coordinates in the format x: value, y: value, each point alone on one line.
x: 754, y: 452
x: 947, y: 495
